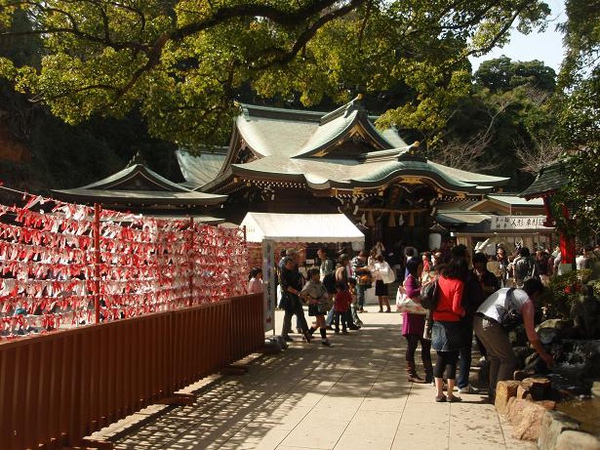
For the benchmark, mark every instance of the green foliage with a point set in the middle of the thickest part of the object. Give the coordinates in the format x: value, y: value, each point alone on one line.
x: 562, y: 293
x: 183, y: 63
x: 580, y: 121
x: 503, y: 74
x: 507, y: 112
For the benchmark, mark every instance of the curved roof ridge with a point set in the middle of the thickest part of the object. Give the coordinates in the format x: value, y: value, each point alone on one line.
x: 327, y: 132
x: 474, y: 177
x: 249, y: 110
x: 344, y: 110
x: 418, y: 167
x: 320, y: 173
x: 130, y: 172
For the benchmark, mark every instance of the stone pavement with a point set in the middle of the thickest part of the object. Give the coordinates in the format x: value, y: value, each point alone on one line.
x: 353, y: 395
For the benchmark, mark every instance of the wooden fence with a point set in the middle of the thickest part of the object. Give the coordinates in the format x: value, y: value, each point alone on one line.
x: 57, y: 388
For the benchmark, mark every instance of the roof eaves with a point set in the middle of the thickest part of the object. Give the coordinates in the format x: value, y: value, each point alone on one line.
x: 222, y: 179
x: 141, y: 197
x: 131, y: 172
x: 248, y: 111
x: 418, y: 169
x: 548, y: 181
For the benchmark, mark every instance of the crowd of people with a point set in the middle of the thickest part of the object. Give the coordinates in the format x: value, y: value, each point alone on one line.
x: 476, y: 294
x: 333, y: 293
x: 514, y: 268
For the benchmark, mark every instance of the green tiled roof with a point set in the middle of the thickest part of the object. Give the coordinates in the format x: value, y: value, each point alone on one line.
x: 340, y: 149
x: 200, y: 169
x: 139, y: 197
x: 294, y: 133
x: 548, y: 180
x: 515, y: 200
x: 140, y: 176
x: 321, y: 173
x: 138, y: 185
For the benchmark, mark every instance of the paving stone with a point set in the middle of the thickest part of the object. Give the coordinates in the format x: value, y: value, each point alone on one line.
x: 353, y: 395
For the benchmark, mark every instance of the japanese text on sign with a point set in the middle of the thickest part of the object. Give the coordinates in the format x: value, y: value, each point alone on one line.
x: 518, y: 222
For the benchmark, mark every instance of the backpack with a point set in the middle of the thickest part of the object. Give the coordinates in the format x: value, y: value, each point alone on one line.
x: 524, y: 269
x: 511, y: 316
x: 329, y: 282
x: 430, y: 295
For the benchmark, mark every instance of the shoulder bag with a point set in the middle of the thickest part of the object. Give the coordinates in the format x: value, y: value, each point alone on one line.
x: 406, y: 304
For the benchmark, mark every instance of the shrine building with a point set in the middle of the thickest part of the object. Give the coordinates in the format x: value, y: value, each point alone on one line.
x: 307, y: 162
x: 291, y: 161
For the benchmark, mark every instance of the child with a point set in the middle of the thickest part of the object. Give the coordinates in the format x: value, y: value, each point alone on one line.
x: 354, y: 305
x: 341, y: 304
x: 315, y: 294
x: 255, y: 281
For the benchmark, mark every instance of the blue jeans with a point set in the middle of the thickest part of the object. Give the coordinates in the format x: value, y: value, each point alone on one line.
x: 360, y: 295
x: 329, y: 318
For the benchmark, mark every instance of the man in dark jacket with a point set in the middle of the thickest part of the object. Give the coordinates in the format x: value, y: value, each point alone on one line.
x: 291, y: 285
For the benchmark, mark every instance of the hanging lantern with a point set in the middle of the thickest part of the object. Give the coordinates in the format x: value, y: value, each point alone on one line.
x: 392, y: 220
x: 400, y: 220
x: 411, y: 219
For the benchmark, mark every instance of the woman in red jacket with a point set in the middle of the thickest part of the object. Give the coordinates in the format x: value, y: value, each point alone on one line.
x: 446, y: 331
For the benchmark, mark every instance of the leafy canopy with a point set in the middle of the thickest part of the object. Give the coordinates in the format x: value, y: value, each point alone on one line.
x: 580, y: 120
x: 183, y: 63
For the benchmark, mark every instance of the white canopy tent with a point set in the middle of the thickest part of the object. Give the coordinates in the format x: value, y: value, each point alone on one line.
x: 309, y: 228
x: 269, y: 228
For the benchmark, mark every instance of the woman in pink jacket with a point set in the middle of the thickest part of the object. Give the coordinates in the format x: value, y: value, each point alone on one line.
x: 413, y: 325
x: 446, y: 331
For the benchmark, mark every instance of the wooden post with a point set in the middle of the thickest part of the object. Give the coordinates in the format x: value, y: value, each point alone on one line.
x: 97, y: 210
x: 567, y: 246
x: 191, y: 260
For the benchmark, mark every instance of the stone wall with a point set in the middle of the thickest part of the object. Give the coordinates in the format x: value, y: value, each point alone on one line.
x: 528, y: 407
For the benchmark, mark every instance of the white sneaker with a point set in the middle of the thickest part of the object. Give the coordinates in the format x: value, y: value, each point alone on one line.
x: 468, y: 389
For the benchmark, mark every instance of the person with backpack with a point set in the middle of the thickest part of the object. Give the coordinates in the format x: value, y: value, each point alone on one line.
x: 488, y: 323
x: 524, y: 267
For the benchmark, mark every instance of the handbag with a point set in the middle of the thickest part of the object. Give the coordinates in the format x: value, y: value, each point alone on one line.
x: 387, y: 274
x: 430, y: 295
x: 406, y: 304
x: 364, y: 277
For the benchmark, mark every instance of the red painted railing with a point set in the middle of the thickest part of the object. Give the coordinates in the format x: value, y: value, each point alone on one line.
x: 57, y: 388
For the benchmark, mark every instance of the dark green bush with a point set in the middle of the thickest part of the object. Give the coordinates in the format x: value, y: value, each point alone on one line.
x: 563, y: 291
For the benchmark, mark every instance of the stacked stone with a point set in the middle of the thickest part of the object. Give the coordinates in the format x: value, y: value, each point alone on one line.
x: 528, y: 407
